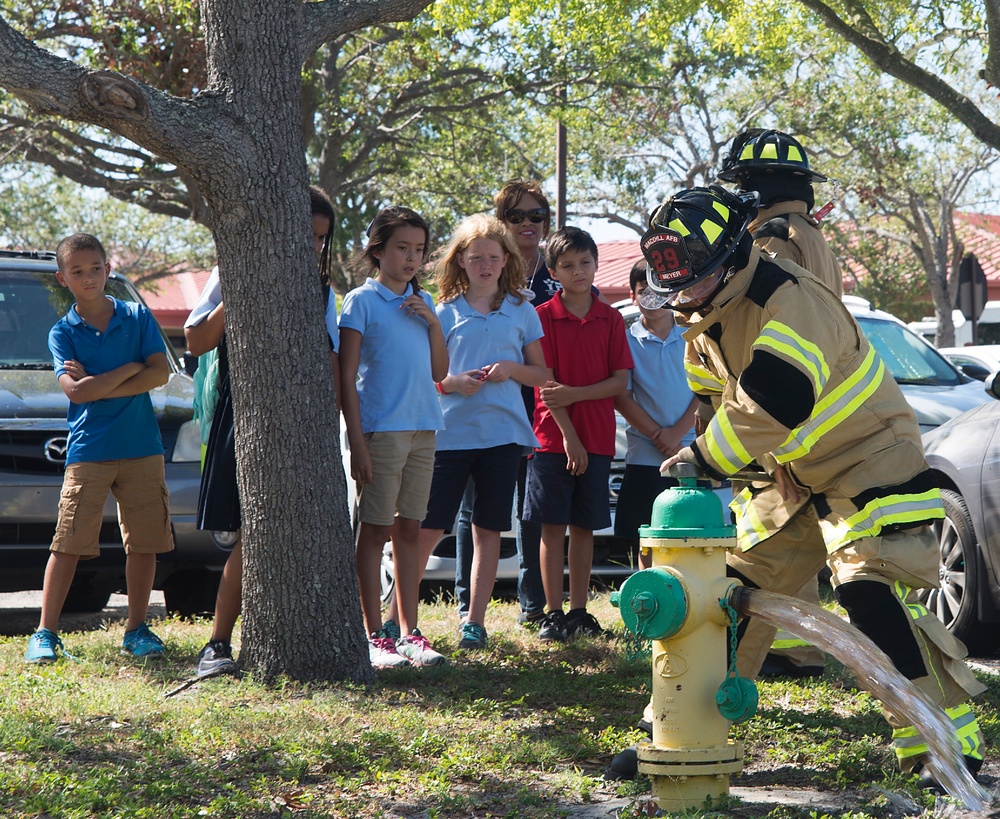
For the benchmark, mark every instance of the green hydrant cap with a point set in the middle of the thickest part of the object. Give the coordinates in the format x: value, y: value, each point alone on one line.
x: 687, y: 510
x: 653, y: 604
x: 737, y: 699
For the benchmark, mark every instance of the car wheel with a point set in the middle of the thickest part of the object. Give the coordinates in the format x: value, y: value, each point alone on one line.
x: 191, y: 592
x: 86, y: 597
x: 955, y: 602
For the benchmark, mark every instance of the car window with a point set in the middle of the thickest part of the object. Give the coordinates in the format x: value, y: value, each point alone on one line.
x: 908, y: 358
x: 30, y: 304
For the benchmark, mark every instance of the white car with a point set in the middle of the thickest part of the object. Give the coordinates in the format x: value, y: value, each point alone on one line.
x: 976, y: 361
x: 932, y: 385
x: 935, y: 388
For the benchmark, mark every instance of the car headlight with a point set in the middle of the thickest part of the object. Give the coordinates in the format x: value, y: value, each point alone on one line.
x: 187, y: 448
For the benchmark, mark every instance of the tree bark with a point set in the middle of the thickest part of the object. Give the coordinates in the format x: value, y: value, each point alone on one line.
x: 299, y: 582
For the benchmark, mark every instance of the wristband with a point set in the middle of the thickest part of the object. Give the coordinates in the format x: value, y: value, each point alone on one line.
x: 441, y: 389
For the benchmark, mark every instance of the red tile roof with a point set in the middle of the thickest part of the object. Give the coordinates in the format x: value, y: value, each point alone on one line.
x: 980, y: 233
x: 172, y: 297
x: 614, y: 261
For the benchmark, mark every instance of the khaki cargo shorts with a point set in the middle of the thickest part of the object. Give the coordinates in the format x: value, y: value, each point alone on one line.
x: 139, y: 487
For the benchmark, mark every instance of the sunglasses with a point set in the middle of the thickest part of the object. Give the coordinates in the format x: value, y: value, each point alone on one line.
x: 536, y: 215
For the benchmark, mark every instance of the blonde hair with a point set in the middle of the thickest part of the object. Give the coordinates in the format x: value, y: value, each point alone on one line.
x: 452, y: 280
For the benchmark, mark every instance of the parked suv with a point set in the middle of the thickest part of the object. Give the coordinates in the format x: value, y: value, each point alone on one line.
x: 33, y: 439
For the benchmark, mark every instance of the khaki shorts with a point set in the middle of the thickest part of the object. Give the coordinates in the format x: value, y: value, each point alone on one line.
x: 143, y: 509
x: 402, y: 467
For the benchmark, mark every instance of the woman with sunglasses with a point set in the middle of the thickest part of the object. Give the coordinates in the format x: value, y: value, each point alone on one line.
x: 522, y: 206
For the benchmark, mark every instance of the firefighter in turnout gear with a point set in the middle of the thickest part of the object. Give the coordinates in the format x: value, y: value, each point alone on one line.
x: 801, y: 388
x: 776, y: 166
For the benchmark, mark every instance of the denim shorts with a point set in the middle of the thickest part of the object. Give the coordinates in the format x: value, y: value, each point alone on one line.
x: 494, y: 475
x: 553, y: 495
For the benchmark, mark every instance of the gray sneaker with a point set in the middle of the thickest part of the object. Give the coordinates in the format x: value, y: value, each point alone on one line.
x: 215, y: 659
x: 417, y: 649
x: 382, y: 652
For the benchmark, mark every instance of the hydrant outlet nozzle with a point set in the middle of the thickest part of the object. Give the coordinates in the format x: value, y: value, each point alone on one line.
x: 738, y: 597
x: 653, y: 603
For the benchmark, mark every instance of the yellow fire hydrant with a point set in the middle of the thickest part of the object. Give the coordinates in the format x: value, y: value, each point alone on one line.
x: 682, y: 605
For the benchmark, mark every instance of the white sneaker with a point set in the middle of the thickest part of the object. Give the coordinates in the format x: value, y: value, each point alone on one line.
x: 382, y: 653
x: 417, y: 649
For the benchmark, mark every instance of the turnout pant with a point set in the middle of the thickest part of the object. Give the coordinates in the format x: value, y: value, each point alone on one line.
x: 875, y: 579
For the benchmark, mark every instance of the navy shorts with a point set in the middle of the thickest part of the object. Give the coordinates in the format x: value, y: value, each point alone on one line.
x: 494, y: 475
x: 553, y: 495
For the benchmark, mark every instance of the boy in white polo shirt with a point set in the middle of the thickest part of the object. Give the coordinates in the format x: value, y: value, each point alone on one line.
x: 659, y: 408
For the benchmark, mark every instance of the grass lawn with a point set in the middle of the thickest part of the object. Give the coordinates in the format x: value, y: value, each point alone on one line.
x: 521, y: 730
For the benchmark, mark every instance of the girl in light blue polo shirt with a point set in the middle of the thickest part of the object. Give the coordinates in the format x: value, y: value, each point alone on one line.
x: 493, y: 333
x: 391, y: 354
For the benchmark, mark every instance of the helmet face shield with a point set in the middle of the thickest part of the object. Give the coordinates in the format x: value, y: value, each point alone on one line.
x: 697, y: 295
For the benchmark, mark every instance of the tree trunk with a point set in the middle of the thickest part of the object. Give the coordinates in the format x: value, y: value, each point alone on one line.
x: 932, y: 250
x: 301, y: 614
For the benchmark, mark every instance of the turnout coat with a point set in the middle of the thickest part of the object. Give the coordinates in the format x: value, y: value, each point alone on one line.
x: 796, y: 382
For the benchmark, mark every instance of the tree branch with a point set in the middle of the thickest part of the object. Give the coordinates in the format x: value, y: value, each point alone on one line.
x: 53, y: 86
x: 861, y: 31
x: 327, y: 20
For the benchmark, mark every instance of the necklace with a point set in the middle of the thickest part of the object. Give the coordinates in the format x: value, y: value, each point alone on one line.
x: 534, y: 266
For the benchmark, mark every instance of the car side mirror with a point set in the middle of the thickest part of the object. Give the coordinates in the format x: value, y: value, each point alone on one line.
x: 977, y: 371
x: 992, y: 385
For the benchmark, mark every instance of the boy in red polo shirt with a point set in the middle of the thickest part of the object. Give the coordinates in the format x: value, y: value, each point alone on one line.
x: 588, y: 358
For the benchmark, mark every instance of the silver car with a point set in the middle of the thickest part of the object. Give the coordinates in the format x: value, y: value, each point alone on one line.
x: 965, y: 454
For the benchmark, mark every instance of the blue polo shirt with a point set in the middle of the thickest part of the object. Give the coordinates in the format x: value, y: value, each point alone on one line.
x: 659, y: 385
x: 395, y: 385
x: 110, y: 429
x: 495, y: 415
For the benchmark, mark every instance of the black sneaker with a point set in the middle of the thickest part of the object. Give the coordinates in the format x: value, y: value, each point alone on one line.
x: 927, y: 782
x: 216, y: 658
x: 553, y: 627
x: 580, y: 621
x: 625, y: 765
